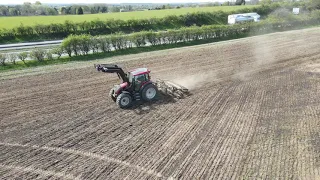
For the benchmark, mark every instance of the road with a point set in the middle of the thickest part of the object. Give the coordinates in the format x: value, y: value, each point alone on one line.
x: 28, y: 45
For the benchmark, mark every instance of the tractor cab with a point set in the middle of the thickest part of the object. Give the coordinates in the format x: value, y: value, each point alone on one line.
x: 139, y: 77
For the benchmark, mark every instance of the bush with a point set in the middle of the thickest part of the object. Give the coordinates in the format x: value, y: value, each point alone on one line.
x: 282, y: 14
x: 83, y: 43
x: 94, y: 41
x: 3, y: 58
x: 38, y: 54
x: 104, y: 43
x: 152, y: 38
x: 49, y: 55
x: 315, y: 15
x: 12, y: 58
x: 315, y: 4
x: 23, y: 56
x: 58, y: 51
x: 119, y: 41
x: 139, y: 39
x: 68, y: 44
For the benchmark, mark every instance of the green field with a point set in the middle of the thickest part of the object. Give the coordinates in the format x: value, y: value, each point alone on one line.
x: 11, y: 22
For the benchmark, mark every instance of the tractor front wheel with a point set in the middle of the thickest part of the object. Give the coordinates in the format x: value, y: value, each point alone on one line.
x: 124, y: 100
x: 149, y: 92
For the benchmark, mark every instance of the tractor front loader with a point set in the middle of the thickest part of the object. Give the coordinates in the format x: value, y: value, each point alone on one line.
x: 137, y: 85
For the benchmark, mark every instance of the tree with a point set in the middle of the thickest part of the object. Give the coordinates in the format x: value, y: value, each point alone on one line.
x: 115, y: 9
x: 12, y: 58
x: 86, y: 9
x: 27, y: 3
x: 254, y: 2
x: 48, y: 55
x: 13, y: 12
x: 104, y: 9
x: 240, y: 2
x: 23, y: 56
x: 41, y: 10
x: 38, y: 54
x: 73, y: 10
x: 27, y: 9
x: 79, y: 11
x: 38, y: 3
x: 51, y: 11
x: 315, y: 4
x: 266, y: 1
x: 63, y: 10
x: 19, y: 9
x: 93, y: 10
x: 4, y: 11
x: 58, y: 51
x: 226, y: 3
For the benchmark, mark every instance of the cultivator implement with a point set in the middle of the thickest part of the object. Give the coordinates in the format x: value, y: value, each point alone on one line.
x: 172, y: 89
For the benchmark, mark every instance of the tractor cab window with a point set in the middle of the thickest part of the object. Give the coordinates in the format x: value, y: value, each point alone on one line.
x: 140, y: 78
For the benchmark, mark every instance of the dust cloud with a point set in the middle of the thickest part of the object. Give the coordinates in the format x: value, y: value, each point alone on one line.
x: 262, y: 56
x: 196, y: 80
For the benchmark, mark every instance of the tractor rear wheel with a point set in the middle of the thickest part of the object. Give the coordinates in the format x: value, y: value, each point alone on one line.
x: 124, y: 100
x: 149, y: 92
x: 111, y: 95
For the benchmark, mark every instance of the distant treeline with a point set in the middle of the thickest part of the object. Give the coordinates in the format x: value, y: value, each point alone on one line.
x: 98, y: 27
x: 29, y: 9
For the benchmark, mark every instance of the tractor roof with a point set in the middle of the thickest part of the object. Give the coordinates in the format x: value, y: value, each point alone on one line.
x: 140, y: 71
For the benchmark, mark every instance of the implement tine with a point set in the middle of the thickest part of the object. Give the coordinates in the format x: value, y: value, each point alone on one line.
x: 171, y: 89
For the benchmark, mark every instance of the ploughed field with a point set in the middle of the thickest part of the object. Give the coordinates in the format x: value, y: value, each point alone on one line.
x: 254, y: 113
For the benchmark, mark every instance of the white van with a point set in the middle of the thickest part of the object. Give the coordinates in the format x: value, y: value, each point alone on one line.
x: 255, y: 16
x: 245, y: 17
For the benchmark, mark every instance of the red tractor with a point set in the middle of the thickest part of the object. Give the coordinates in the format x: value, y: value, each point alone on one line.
x: 137, y: 85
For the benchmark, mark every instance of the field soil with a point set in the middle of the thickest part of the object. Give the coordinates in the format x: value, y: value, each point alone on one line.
x: 253, y: 113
